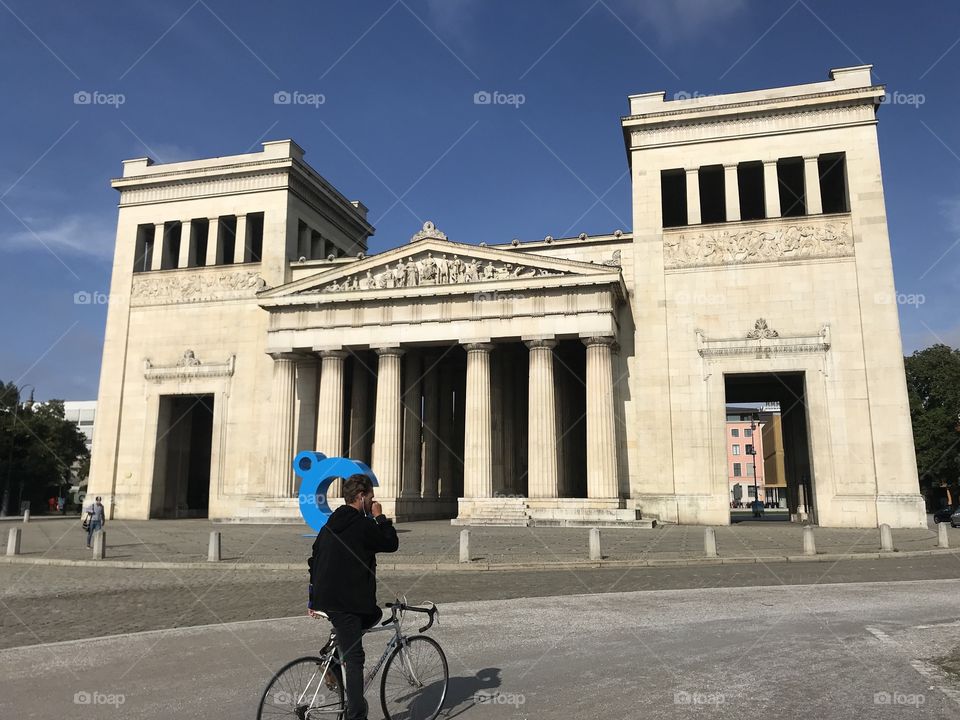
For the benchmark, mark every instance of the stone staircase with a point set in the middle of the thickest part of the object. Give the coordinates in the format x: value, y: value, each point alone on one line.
x: 498, y: 511
x: 522, y: 512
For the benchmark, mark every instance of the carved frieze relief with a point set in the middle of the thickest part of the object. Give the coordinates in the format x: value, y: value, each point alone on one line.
x: 780, y: 241
x: 195, y: 286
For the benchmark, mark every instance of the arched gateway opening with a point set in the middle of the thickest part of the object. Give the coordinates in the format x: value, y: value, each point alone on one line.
x: 768, y: 449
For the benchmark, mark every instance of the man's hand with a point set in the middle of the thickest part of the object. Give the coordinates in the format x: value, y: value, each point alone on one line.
x: 376, y: 509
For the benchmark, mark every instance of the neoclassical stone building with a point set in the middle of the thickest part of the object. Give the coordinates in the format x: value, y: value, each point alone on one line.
x: 568, y: 380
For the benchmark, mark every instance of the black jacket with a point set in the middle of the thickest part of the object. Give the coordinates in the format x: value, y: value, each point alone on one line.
x: 343, y: 569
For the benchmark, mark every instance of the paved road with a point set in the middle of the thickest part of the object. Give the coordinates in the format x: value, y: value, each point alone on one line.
x: 828, y: 651
x: 44, y: 604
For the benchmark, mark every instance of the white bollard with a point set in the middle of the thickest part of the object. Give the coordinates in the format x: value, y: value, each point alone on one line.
x: 595, y: 552
x: 26, y: 515
x: 710, y: 542
x: 943, y: 540
x: 464, y: 546
x: 13, y: 541
x: 213, y: 549
x: 886, y: 538
x: 809, y: 544
x: 99, y: 544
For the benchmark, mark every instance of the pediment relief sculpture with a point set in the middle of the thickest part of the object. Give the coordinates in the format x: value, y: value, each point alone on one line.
x: 431, y: 269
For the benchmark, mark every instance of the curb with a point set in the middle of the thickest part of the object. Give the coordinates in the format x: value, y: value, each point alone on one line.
x: 485, y: 566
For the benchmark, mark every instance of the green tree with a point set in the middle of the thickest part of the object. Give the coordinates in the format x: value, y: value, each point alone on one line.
x: 933, y: 385
x: 37, y: 449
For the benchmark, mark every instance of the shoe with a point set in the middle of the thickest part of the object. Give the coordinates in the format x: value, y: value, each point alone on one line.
x: 89, y: 547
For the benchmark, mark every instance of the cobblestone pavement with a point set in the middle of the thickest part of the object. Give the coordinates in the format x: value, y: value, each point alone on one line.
x: 438, y: 541
x: 50, y: 603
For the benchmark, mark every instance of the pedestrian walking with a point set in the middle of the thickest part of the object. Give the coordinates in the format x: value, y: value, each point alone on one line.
x: 93, y: 519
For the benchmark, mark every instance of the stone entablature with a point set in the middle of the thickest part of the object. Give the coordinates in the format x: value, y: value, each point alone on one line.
x: 192, y: 285
x: 189, y: 367
x: 759, y: 241
x: 763, y: 341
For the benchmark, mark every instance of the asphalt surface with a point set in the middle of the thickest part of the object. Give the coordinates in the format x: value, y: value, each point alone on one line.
x: 41, y: 604
x: 821, y: 651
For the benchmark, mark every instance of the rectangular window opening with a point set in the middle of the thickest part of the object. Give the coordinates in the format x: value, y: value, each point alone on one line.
x: 254, y: 250
x: 199, y: 231
x: 673, y: 197
x: 171, y: 245
x: 832, y: 169
x: 790, y: 181
x: 750, y: 184
x: 226, y: 239
x: 143, y: 250
x: 713, y: 202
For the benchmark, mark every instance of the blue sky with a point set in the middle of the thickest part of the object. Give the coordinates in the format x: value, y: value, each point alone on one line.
x: 398, y: 121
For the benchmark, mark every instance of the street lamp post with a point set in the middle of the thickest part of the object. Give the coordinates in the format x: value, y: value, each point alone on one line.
x: 5, y: 501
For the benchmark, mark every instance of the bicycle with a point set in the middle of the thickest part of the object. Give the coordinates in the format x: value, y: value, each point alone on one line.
x: 413, y: 685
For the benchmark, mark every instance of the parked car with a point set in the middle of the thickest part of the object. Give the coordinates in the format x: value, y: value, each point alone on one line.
x: 944, y: 514
x: 955, y: 519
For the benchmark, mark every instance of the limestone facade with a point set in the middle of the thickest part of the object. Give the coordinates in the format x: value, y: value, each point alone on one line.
x: 566, y: 381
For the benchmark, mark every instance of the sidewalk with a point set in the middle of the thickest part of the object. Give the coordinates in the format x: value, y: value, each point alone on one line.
x: 434, y: 545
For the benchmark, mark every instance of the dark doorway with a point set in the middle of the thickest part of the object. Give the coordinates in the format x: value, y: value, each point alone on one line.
x: 768, y: 448
x: 181, y: 477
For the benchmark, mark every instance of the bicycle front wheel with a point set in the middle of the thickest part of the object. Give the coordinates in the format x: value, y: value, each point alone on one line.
x: 414, y: 681
x: 301, y: 690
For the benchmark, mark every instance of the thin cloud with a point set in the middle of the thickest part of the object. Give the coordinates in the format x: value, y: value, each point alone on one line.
x: 75, y: 235
x: 676, y: 20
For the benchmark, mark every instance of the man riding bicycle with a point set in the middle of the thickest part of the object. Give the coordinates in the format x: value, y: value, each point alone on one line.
x: 343, y: 578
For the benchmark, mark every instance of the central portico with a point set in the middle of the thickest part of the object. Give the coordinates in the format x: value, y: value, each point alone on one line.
x: 477, y: 381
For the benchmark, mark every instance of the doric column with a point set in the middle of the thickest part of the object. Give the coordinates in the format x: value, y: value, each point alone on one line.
x: 478, y: 448
x: 212, y: 230
x: 811, y: 185
x: 280, y: 461
x: 693, y: 196
x: 771, y: 189
x: 602, y: 479
x: 359, y: 412
x: 387, y: 439
x: 542, y: 422
x: 240, y: 240
x: 156, y: 262
x: 731, y: 192
x: 446, y: 427
x: 412, y: 426
x: 185, y: 245
x: 496, y: 421
x: 431, y: 430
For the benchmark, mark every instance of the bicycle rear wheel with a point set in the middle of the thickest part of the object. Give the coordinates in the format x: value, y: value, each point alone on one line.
x: 414, y: 681
x: 300, y: 690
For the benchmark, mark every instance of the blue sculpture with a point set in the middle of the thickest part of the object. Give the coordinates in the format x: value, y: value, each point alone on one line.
x: 317, y: 471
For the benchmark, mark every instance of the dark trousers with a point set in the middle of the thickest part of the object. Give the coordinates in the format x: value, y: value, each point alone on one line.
x: 350, y: 627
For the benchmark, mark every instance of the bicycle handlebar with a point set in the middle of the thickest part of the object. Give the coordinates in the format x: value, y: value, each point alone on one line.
x: 403, y: 607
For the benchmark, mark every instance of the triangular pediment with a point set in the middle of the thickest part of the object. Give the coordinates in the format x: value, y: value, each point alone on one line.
x: 435, y: 263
